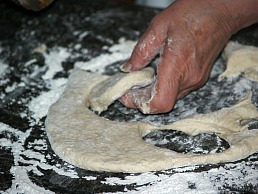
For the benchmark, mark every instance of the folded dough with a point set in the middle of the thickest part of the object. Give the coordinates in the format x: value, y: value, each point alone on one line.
x: 107, y: 91
x: 240, y: 59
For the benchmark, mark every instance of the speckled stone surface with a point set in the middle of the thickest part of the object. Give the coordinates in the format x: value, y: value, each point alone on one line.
x: 22, y: 31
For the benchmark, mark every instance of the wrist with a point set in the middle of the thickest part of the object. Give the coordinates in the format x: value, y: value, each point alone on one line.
x: 243, y: 13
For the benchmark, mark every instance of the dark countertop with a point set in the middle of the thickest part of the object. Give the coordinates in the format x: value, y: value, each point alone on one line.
x: 28, y: 164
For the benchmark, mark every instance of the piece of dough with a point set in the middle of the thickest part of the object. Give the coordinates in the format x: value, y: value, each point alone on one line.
x: 86, y: 140
x: 112, y: 88
x: 240, y: 59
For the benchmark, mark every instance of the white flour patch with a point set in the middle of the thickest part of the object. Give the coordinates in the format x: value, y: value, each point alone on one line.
x: 22, y: 183
x: 239, y: 175
x: 118, y: 52
x: 179, y: 183
x: 242, y: 85
x: 3, y: 71
x: 11, y: 88
x: 3, y: 68
x: 39, y: 106
x: 83, y: 35
x: 54, y: 61
x: 141, y: 179
x: 89, y: 178
x: 28, y: 63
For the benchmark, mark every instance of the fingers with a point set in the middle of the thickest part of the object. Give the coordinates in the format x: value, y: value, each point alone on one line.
x: 165, y: 90
x: 135, y: 97
x: 127, y: 100
x: 160, y: 97
x: 148, y: 47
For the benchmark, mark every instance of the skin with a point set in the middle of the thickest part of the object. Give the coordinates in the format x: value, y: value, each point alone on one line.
x: 188, y: 37
x: 35, y: 5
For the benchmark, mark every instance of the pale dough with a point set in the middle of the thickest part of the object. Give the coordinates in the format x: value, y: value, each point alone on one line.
x: 86, y: 140
x: 107, y: 91
x: 240, y: 59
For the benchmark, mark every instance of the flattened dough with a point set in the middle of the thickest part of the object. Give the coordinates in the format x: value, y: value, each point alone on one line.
x: 86, y: 140
x: 241, y: 59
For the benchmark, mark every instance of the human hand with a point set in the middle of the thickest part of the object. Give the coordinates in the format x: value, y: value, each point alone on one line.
x: 35, y: 5
x: 188, y: 36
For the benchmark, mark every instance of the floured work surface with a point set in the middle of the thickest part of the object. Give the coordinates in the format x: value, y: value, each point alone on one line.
x: 32, y: 82
x: 89, y: 141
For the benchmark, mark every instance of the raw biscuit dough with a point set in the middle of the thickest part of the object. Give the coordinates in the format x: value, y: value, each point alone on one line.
x: 86, y: 140
x: 239, y: 59
x: 106, y: 92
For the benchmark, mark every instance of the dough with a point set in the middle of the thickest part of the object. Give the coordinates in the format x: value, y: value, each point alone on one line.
x: 107, y: 91
x: 86, y: 140
x: 239, y: 59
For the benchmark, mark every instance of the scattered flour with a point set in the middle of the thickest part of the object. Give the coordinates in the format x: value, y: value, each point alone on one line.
x: 83, y: 35
x: 180, y: 183
x: 242, y: 85
x: 89, y: 178
x: 22, y: 183
x: 28, y: 63
x: 118, y: 52
x: 34, y: 158
x: 3, y: 68
x: 54, y: 61
x: 40, y: 105
x: 11, y: 88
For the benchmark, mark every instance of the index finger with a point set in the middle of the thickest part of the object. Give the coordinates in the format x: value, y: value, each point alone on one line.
x: 148, y: 47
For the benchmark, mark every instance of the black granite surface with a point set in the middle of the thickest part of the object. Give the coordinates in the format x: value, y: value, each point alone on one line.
x: 21, y: 31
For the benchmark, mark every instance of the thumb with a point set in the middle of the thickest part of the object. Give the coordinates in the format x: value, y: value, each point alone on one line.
x: 147, y: 48
x: 164, y: 92
x: 161, y: 99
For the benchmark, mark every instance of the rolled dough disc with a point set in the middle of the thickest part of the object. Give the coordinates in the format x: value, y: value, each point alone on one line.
x: 240, y: 59
x: 86, y: 140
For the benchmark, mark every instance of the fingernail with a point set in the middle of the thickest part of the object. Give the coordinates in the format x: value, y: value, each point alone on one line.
x: 125, y: 68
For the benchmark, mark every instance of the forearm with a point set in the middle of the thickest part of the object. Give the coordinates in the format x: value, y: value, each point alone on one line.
x: 243, y: 12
